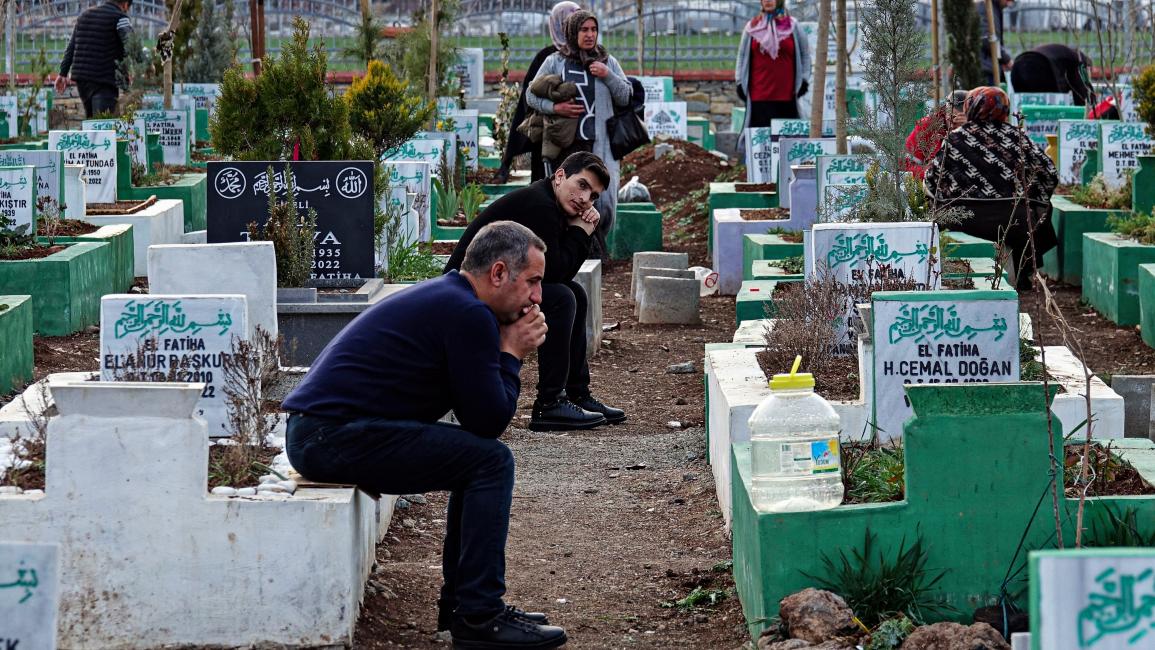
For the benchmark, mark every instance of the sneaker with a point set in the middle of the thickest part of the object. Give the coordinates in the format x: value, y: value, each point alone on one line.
x: 562, y: 415
x: 613, y: 415
x: 506, y: 630
x: 445, y: 617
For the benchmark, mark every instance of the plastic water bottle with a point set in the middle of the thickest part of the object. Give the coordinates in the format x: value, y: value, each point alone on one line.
x: 794, y: 447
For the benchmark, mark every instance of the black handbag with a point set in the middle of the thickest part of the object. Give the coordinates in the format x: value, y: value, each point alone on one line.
x: 626, y: 129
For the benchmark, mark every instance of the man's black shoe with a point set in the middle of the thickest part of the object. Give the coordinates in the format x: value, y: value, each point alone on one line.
x: 445, y: 617
x: 505, y: 631
x: 563, y: 415
x: 613, y: 415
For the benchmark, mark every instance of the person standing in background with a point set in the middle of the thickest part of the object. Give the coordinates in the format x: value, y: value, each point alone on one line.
x: 517, y: 143
x: 773, y: 66
x: 99, y: 42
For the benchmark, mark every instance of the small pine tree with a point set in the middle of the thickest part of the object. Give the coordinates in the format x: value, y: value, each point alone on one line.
x: 964, y: 42
x: 368, y: 40
x: 409, y: 54
x: 212, y: 47
x: 286, y: 112
x: 384, y: 110
x: 291, y: 234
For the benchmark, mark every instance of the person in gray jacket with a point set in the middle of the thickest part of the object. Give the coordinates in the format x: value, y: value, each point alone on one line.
x: 601, y: 86
x: 773, y: 67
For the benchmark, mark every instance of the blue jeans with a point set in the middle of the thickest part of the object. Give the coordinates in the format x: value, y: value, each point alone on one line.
x: 409, y: 457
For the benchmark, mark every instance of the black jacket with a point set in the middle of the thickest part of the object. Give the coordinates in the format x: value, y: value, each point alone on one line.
x: 97, y: 44
x: 535, y: 208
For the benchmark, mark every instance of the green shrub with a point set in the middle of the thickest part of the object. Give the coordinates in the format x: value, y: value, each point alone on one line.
x: 1097, y: 194
x: 1144, y: 85
x: 873, y: 474
x: 1118, y: 530
x: 877, y: 587
x: 890, y: 634
x: 1134, y: 225
x: 384, y: 110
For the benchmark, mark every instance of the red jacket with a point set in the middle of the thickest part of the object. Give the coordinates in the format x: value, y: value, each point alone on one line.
x: 923, y: 144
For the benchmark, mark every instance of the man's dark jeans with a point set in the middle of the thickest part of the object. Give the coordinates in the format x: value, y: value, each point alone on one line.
x: 406, y: 457
x: 561, y: 360
x: 97, y: 97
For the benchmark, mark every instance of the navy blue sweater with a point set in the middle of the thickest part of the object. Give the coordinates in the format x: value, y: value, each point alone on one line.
x: 413, y: 356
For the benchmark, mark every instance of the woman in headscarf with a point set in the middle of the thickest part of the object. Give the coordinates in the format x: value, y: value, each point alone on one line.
x: 602, y: 86
x: 518, y: 144
x: 994, y: 170
x: 927, y: 137
x: 773, y: 67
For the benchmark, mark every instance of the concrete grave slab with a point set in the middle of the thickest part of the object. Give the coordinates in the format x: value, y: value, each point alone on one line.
x: 644, y: 273
x: 670, y: 300
x: 245, y: 268
x: 1136, y: 393
x: 655, y: 259
x: 158, y: 224
x: 590, y: 279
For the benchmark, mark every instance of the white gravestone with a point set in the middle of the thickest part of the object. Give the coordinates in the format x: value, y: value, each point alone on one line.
x: 840, y: 200
x: 412, y: 177
x: 205, y: 95
x: 1099, y: 599
x: 863, y: 254
x: 74, y: 192
x: 939, y: 337
x: 470, y: 70
x: 760, y: 155
x: 1076, y: 138
x: 49, y: 166
x: 448, y: 146
x: 43, y: 99
x: 18, y: 196
x: 799, y: 151
x: 466, y: 127
x: 827, y: 165
x: 191, y: 336
x: 9, y: 107
x: 96, y: 150
x: 658, y: 89
x: 174, y: 128
x: 132, y: 131
x: 1120, y: 145
x: 29, y: 596
x: 668, y: 119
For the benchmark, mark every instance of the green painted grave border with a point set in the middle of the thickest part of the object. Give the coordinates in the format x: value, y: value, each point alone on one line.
x: 16, y: 364
x: 1111, y: 275
x: 66, y: 287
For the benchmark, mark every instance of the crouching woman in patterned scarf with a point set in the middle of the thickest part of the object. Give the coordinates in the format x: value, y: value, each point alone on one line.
x: 993, y: 170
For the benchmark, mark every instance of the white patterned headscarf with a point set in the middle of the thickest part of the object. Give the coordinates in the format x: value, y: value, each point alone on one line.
x: 557, y: 17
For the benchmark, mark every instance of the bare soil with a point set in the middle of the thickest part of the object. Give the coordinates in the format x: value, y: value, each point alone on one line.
x: 442, y: 247
x: 66, y: 227
x: 837, y: 381
x: 675, y: 174
x: 756, y: 187
x: 30, y: 252
x: 481, y: 176
x: 764, y: 214
x: 120, y: 207
x: 1114, y: 476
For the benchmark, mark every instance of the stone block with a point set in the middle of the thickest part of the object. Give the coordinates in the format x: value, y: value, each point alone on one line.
x: 1136, y: 393
x: 697, y: 106
x: 669, y: 300
x: 159, y: 223
x: 721, y: 108
x: 700, y: 97
x: 590, y: 279
x: 727, y: 143
x: 245, y: 268
x: 657, y: 260
x: 647, y: 272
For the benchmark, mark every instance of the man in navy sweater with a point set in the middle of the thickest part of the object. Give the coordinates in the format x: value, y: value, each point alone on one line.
x: 99, y: 41
x: 367, y: 413
x: 560, y: 210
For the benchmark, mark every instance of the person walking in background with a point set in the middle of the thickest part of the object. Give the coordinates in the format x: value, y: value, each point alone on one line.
x: 773, y: 66
x: 517, y: 143
x: 926, y: 139
x: 997, y: 7
x: 602, y: 86
x: 992, y: 169
x: 99, y: 41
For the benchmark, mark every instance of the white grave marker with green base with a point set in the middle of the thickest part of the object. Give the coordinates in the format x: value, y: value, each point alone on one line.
x: 190, y: 336
x: 1120, y: 145
x: 668, y: 119
x: 175, y: 128
x: 470, y: 70
x: 29, y: 596
x: 939, y: 337
x: 466, y: 128
x: 18, y: 196
x: 799, y: 151
x: 131, y: 131
x: 1076, y: 138
x: 96, y: 150
x: 49, y: 166
x: 409, y: 176
x: 1093, y: 599
x: 9, y: 116
x: 658, y: 89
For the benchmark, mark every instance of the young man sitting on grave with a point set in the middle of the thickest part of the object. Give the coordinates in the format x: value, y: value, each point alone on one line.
x: 368, y: 413
x: 560, y: 210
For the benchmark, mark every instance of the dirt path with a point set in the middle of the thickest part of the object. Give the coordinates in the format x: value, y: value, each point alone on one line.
x: 609, y: 527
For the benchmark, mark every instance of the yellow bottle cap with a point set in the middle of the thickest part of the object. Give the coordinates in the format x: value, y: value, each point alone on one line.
x: 793, y: 381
